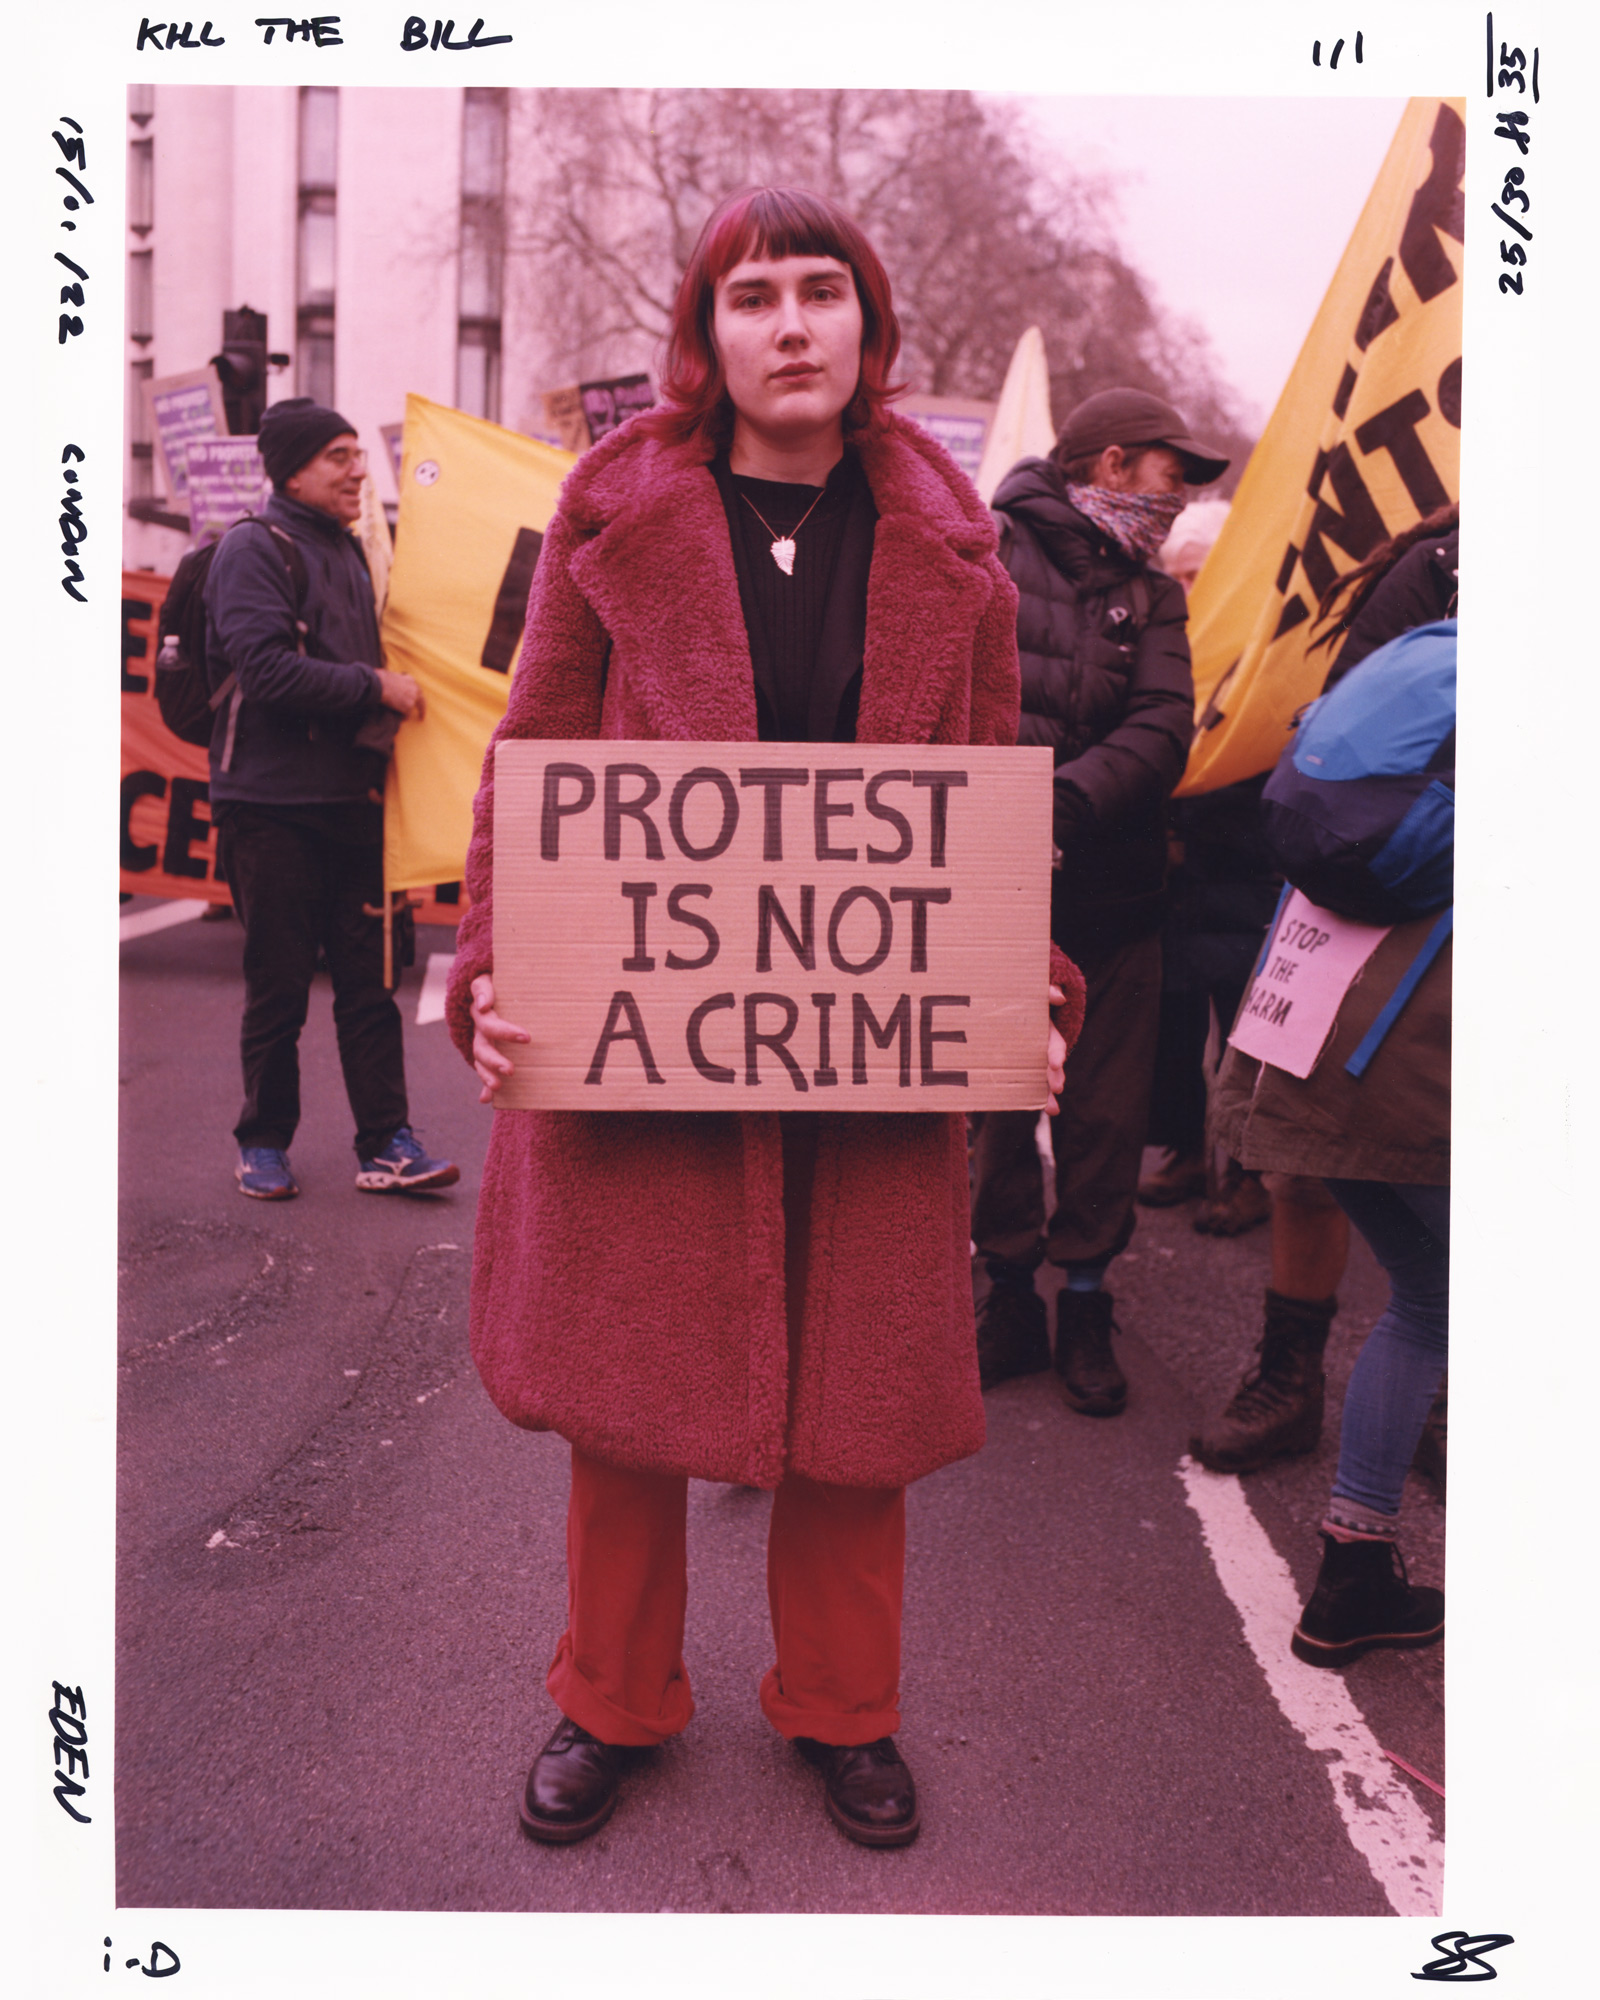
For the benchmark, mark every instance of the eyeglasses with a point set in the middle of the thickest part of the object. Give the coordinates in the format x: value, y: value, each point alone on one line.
x: 344, y: 457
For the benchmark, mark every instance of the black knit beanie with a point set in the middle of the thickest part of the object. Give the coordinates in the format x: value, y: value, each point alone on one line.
x: 293, y: 432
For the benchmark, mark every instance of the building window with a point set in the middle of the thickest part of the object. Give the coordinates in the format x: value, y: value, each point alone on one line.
x: 141, y: 446
x: 141, y: 296
x: 483, y: 233
x: 319, y: 161
x: 141, y: 186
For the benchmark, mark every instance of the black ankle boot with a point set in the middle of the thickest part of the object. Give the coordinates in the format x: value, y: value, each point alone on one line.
x: 1091, y: 1381
x: 1362, y: 1600
x: 1277, y: 1409
x: 1012, y: 1337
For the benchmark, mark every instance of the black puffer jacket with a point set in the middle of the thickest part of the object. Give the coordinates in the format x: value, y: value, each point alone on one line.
x: 1118, y: 714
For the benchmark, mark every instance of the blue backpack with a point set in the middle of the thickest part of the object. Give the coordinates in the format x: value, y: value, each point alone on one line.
x: 1360, y: 813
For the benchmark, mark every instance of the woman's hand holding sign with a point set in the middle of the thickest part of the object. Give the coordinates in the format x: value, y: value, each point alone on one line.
x: 1055, y: 1054
x: 494, y: 1065
x: 488, y: 1032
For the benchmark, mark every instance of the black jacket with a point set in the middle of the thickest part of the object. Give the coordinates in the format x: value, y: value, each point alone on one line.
x: 1417, y: 591
x: 1118, y: 714
x: 294, y: 741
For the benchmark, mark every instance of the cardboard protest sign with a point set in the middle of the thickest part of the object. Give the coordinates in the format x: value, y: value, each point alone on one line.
x: 1312, y: 962
x: 773, y: 926
x: 606, y: 405
x: 1365, y: 440
x: 182, y: 407
x: 226, y: 480
x: 564, y: 419
x: 959, y: 423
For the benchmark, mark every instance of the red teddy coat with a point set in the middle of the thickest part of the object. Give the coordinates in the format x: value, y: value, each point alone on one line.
x: 628, y: 1272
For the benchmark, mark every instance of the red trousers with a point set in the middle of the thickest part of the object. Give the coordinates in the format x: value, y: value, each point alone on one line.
x: 835, y: 1573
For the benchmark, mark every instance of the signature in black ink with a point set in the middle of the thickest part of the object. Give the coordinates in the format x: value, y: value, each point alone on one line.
x: 68, y: 1720
x: 1461, y: 1951
x: 152, y: 1970
x: 415, y: 35
x: 73, y: 531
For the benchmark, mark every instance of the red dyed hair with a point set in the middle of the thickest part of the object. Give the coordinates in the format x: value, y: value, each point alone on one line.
x: 768, y: 222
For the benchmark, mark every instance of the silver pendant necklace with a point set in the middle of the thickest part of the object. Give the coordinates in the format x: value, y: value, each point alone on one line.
x: 783, y: 545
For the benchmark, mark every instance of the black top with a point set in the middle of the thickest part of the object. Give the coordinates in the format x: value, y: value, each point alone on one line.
x: 1419, y: 590
x: 807, y: 630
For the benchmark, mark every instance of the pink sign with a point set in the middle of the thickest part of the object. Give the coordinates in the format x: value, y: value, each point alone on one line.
x: 1313, y: 961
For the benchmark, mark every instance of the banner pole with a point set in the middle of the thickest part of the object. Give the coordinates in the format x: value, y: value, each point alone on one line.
x: 388, y: 925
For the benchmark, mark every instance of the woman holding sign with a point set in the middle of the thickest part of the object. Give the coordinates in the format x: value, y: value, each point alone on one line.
x: 778, y: 1301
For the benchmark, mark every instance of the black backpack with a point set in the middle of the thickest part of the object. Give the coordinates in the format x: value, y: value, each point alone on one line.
x: 187, y: 701
x: 1360, y: 812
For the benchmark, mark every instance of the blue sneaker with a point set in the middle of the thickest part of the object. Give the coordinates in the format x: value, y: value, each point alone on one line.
x: 263, y: 1172
x: 403, y: 1167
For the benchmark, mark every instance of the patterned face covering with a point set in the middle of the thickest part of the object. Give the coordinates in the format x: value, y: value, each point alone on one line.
x: 1141, y: 522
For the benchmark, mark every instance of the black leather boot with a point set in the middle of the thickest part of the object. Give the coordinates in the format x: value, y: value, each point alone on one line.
x: 1362, y: 1600
x: 1091, y: 1381
x: 870, y: 1794
x: 572, y: 1788
x: 1012, y: 1336
x: 1277, y: 1409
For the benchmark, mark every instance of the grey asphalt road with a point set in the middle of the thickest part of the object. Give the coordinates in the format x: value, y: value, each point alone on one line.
x: 342, y: 1574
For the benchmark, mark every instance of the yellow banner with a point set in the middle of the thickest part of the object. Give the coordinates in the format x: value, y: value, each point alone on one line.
x: 474, y: 503
x: 1365, y: 440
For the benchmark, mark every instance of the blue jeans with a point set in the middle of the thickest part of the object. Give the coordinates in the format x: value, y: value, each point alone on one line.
x: 1398, y: 1370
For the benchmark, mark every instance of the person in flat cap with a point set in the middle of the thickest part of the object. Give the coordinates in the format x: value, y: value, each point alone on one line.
x: 298, y: 751
x: 1106, y: 684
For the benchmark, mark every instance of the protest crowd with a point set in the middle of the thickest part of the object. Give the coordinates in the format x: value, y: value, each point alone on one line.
x: 818, y: 1301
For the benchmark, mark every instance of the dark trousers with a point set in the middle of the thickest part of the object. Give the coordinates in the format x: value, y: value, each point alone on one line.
x: 1178, y: 1098
x: 298, y: 888
x: 1098, y: 1136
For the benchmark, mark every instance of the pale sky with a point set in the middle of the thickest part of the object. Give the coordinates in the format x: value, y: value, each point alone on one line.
x: 1236, y: 210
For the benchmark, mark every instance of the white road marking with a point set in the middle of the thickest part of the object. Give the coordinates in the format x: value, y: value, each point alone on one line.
x: 140, y: 923
x: 1386, y: 1825
x: 430, y: 1001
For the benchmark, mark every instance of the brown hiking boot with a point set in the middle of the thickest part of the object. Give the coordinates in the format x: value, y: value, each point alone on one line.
x: 1237, y: 1203
x: 1091, y: 1381
x: 1276, y: 1411
x: 1180, y: 1177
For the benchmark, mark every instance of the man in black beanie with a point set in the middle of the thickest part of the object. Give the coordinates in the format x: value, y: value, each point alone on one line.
x: 298, y: 752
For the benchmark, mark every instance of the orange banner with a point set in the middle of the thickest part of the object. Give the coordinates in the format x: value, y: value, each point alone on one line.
x: 168, y: 846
